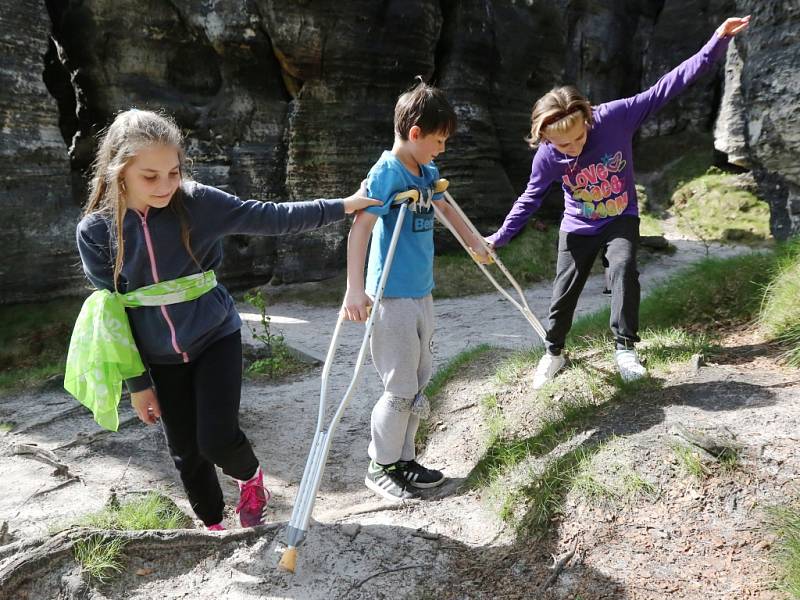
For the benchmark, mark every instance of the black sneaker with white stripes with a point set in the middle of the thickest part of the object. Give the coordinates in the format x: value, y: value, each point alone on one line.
x: 388, y: 481
x: 418, y: 476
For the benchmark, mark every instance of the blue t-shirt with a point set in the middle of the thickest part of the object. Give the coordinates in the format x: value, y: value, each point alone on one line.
x: 411, y: 275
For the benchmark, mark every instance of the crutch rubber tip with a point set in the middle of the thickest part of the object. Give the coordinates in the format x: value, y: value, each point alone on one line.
x: 288, y: 561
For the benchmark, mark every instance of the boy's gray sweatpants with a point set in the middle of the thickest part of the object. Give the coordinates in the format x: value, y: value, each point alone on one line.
x: 401, y: 351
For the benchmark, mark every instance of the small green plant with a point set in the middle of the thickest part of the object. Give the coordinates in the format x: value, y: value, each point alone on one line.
x: 690, y: 462
x: 729, y: 459
x: 634, y: 484
x: 494, y: 417
x: 279, y: 360
x: 150, y: 511
x: 6, y: 426
x: 99, y: 557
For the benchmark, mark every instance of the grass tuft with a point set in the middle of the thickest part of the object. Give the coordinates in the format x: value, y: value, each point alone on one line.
x: 151, y: 511
x: 780, y: 310
x: 784, y: 521
x: 99, y: 557
x: 689, y: 461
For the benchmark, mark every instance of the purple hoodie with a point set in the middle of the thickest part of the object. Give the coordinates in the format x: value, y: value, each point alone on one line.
x: 599, y: 185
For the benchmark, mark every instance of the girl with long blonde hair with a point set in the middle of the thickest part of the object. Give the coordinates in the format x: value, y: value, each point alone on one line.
x: 150, y: 240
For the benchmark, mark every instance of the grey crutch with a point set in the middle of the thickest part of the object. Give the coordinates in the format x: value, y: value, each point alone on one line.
x: 318, y: 455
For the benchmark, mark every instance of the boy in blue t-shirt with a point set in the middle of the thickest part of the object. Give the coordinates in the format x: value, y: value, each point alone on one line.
x: 403, y: 329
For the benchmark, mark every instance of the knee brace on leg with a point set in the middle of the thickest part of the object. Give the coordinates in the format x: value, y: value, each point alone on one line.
x: 420, y: 406
x: 396, y: 403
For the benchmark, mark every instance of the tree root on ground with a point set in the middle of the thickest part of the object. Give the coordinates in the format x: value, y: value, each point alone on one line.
x: 34, y: 557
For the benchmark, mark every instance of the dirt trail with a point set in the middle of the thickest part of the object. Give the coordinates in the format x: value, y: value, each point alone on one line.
x: 364, y: 549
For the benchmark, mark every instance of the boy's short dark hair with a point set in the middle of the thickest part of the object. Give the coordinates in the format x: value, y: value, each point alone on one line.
x: 427, y: 108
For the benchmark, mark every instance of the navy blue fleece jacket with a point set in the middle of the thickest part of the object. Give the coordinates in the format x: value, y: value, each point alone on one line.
x: 154, y: 252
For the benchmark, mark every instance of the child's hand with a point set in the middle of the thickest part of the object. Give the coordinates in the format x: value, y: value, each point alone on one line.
x: 359, y: 200
x: 480, y: 252
x: 356, y: 305
x: 733, y: 26
x: 146, y: 406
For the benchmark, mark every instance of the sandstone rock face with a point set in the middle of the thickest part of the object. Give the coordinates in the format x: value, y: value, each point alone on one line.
x: 759, y: 124
x: 681, y: 30
x: 293, y: 100
x: 37, y: 232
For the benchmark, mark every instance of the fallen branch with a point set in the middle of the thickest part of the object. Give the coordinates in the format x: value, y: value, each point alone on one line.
x: 42, y: 455
x: 49, y: 551
x: 395, y: 570
x: 463, y: 407
x: 558, y: 566
x: 371, y: 508
x: 39, y: 493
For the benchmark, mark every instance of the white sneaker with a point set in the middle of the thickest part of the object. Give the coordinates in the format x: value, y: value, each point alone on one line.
x: 629, y: 366
x: 547, y: 368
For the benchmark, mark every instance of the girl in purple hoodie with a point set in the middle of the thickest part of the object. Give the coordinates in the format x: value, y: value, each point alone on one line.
x: 589, y: 150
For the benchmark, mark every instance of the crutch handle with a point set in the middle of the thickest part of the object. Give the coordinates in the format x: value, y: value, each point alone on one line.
x: 412, y: 195
x: 440, y: 186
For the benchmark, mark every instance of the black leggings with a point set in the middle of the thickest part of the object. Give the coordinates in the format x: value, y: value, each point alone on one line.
x: 576, y: 254
x: 200, y: 410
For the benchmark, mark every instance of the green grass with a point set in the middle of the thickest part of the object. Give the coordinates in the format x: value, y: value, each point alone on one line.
x: 494, y: 417
x: 530, y: 257
x: 784, y: 521
x: 663, y: 347
x: 34, y: 339
x: 687, y: 156
x: 516, y: 365
x: 151, y: 511
x: 650, y: 225
x: 99, y: 557
x: 6, y: 426
x: 715, y: 206
x: 689, y: 461
x: 709, y: 294
x: 682, y: 315
x: 543, y: 497
x: 780, y: 311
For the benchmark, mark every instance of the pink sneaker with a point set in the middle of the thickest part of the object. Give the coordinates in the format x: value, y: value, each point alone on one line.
x: 217, y: 527
x: 253, y: 498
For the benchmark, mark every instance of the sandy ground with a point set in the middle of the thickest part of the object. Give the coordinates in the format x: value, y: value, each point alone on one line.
x: 361, y: 548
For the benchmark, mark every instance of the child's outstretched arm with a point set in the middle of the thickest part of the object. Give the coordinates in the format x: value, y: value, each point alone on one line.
x: 637, y: 108
x: 543, y: 173
x: 356, y: 300
x: 226, y: 214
